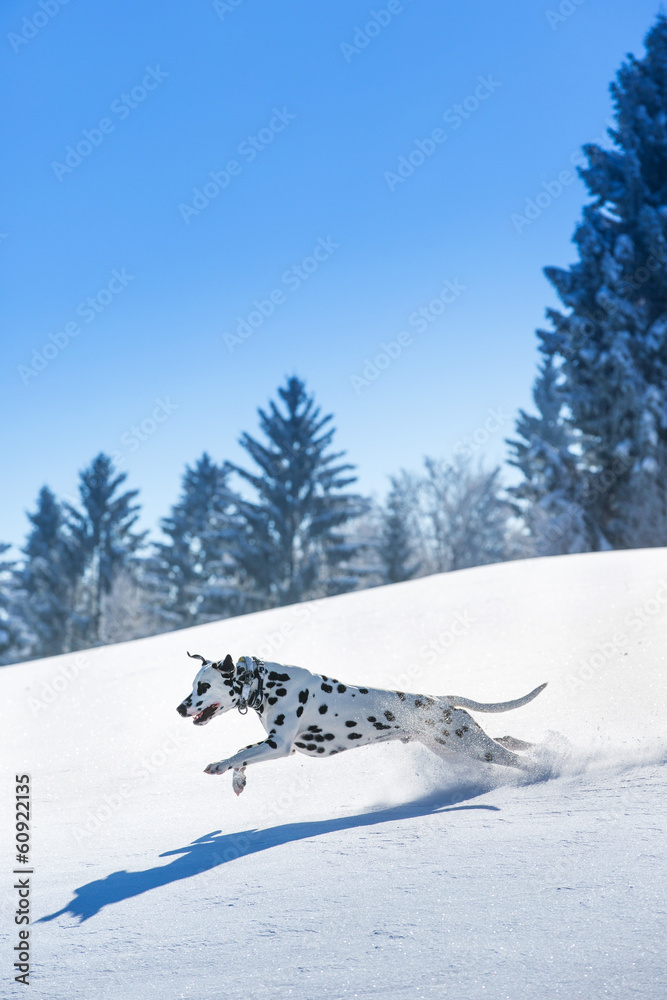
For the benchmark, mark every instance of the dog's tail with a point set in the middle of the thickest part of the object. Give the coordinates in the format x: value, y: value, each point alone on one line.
x: 499, y: 706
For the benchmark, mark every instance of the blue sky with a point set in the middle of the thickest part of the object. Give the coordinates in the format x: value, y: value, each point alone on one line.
x: 177, y: 175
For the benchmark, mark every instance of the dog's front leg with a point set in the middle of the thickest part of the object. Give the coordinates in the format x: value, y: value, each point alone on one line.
x: 269, y: 749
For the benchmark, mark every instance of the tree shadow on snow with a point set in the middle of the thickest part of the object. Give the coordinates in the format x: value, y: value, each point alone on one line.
x: 216, y: 848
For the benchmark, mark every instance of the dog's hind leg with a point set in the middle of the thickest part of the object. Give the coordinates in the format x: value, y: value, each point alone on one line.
x: 464, y: 736
x: 513, y: 744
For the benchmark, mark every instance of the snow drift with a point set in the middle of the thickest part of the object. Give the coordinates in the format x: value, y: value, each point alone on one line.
x: 383, y: 872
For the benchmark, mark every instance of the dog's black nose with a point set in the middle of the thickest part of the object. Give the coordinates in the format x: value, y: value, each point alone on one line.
x: 182, y: 710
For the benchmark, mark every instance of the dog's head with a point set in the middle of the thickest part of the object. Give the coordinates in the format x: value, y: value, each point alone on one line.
x: 213, y: 691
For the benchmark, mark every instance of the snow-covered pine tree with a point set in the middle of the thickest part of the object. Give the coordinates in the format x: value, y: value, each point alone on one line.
x: 398, y: 532
x: 47, y: 580
x: 553, y: 496
x: 291, y: 546
x: 12, y: 642
x: 192, y: 574
x: 103, y: 540
x: 610, y: 347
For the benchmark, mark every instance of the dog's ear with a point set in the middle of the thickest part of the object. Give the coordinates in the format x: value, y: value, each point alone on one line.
x: 227, y: 665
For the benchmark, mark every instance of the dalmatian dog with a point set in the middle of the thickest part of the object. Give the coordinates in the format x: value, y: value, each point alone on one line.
x: 321, y: 716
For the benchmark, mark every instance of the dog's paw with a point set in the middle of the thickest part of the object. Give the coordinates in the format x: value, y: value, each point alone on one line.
x: 217, y: 767
x: 239, y: 780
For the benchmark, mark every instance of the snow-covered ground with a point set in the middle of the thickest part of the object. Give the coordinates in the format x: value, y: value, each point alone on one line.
x: 384, y: 872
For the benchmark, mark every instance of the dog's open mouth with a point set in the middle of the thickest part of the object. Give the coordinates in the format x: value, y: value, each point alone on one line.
x: 207, y: 713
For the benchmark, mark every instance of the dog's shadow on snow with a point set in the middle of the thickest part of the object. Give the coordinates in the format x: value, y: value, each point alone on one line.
x: 215, y: 849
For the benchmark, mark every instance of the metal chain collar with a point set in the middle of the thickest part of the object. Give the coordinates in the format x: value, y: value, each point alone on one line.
x: 248, y: 698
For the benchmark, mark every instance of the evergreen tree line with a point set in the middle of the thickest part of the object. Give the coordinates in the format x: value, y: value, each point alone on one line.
x: 238, y: 540
x: 592, y: 460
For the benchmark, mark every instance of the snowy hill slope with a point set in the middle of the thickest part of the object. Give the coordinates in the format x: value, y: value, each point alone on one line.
x: 384, y: 872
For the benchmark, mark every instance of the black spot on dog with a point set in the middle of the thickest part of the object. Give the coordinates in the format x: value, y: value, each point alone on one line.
x: 327, y: 688
x: 363, y: 690
x: 355, y: 736
x: 389, y: 716
x: 418, y: 703
x: 280, y: 719
x: 310, y: 746
x: 273, y: 676
x: 465, y: 729
x: 281, y: 692
x: 202, y: 688
x: 314, y: 729
x: 324, y: 677
x: 269, y: 685
x: 272, y: 744
x: 350, y: 724
x: 329, y: 736
x: 400, y: 695
x: 323, y: 709
x: 299, y: 711
x: 371, y: 718
x: 445, y: 732
x: 272, y: 701
x: 380, y: 725
x: 459, y: 732
x: 320, y: 749
x: 303, y: 696
x: 438, y: 740
x: 488, y: 756
x: 341, y: 689
x: 303, y: 745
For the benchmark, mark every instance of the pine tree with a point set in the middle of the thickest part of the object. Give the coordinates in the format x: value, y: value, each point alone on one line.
x: 291, y: 543
x: 103, y: 541
x: 12, y: 640
x: 47, y: 580
x: 610, y: 347
x: 396, y: 546
x: 553, y: 496
x: 192, y: 572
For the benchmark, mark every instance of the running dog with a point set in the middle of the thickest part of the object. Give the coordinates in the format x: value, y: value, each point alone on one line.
x: 321, y: 716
